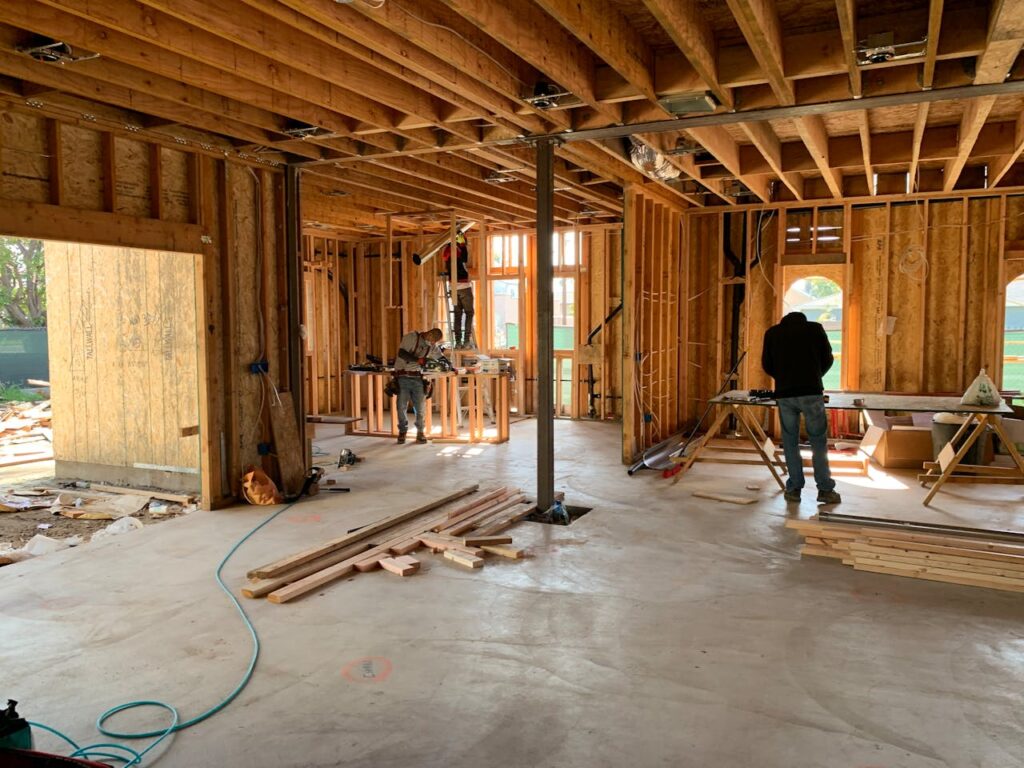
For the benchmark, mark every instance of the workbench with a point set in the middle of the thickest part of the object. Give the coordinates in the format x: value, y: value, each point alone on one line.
x: 739, y: 404
x: 460, y: 402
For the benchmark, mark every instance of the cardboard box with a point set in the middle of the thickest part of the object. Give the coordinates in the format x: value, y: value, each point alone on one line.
x: 899, y: 447
x: 1014, y: 429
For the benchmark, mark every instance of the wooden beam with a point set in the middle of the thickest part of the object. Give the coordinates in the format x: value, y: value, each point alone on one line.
x: 349, y: 81
x: 932, y: 49
x: 1005, y: 35
x: 975, y: 114
x: 719, y: 143
x: 915, y: 153
x: 767, y: 143
x: 56, y: 222
x: 195, y: 55
x: 240, y: 85
x: 759, y: 22
x: 72, y: 81
x: 998, y: 167
x: 465, y: 75
x: 846, y: 10
x: 600, y: 26
x: 690, y: 30
x: 864, y: 126
x: 521, y: 26
x: 815, y: 137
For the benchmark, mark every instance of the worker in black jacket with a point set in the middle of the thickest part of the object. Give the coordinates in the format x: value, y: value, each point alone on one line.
x: 797, y: 354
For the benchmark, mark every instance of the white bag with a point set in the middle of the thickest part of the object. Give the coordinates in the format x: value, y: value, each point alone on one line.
x: 981, y: 392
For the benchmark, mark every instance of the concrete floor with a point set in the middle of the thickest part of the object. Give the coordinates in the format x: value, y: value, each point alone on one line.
x: 658, y: 630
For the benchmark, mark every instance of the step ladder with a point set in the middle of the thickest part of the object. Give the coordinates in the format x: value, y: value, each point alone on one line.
x: 447, y: 326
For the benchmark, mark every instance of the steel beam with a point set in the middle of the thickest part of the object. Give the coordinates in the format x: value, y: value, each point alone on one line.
x: 545, y: 325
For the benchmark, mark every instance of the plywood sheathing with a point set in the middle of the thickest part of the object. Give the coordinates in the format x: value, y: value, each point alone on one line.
x: 83, y: 185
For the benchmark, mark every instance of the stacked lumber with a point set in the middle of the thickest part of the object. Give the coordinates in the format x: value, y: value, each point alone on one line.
x: 972, y: 559
x: 25, y: 433
x: 464, y: 533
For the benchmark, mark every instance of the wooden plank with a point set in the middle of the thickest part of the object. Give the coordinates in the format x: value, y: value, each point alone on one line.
x: 283, y: 565
x: 931, y: 575
x: 498, y: 494
x: 264, y: 587
x: 482, y: 541
x: 469, y: 523
x: 53, y: 222
x: 178, y: 498
x: 507, y: 520
x: 291, y: 454
x: 725, y: 497
x: 467, y: 561
x: 366, y: 561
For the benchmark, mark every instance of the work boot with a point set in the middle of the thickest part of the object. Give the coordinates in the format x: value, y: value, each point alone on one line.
x: 401, y: 438
x: 829, y: 497
x: 793, y: 496
x: 420, y: 437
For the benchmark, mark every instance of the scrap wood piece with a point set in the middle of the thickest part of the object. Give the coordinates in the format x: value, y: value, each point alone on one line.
x: 404, y: 566
x: 263, y: 587
x: 480, y: 541
x: 465, y: 560
x: 14, y: 462
x: 724, y: 497
x: 439, y: 541
x: 178, y: 498
x: 513, y: 553
x: 283, y: 565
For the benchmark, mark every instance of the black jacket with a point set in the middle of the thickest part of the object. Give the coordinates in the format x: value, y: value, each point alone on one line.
x: 796, y: 354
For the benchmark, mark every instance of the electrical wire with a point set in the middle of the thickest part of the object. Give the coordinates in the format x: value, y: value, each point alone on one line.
x: 132, y: 757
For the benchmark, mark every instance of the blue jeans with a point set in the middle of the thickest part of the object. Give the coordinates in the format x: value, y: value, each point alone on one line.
x: 411, y: 388
x: 813, y: 409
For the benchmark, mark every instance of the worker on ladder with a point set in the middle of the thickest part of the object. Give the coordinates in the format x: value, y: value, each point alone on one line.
x: 462, y: 336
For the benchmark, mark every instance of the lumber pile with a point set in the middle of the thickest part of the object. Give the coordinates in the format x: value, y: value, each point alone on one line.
x: 465, y: 533
x: 972, y: 559
x: 25, y: 433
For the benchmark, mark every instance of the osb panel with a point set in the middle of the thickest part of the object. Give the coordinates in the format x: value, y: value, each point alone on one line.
x: 175, y: 185
x: 943, y: 311
x: 906, y: 299
x: 982, y: 285
x: 242, y: 209
x: 24, y: 158
x: 82, y: 177
x: 867, y: 296
x: 132, y: 177
x: 123, y: 334
x: 702, y: 301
